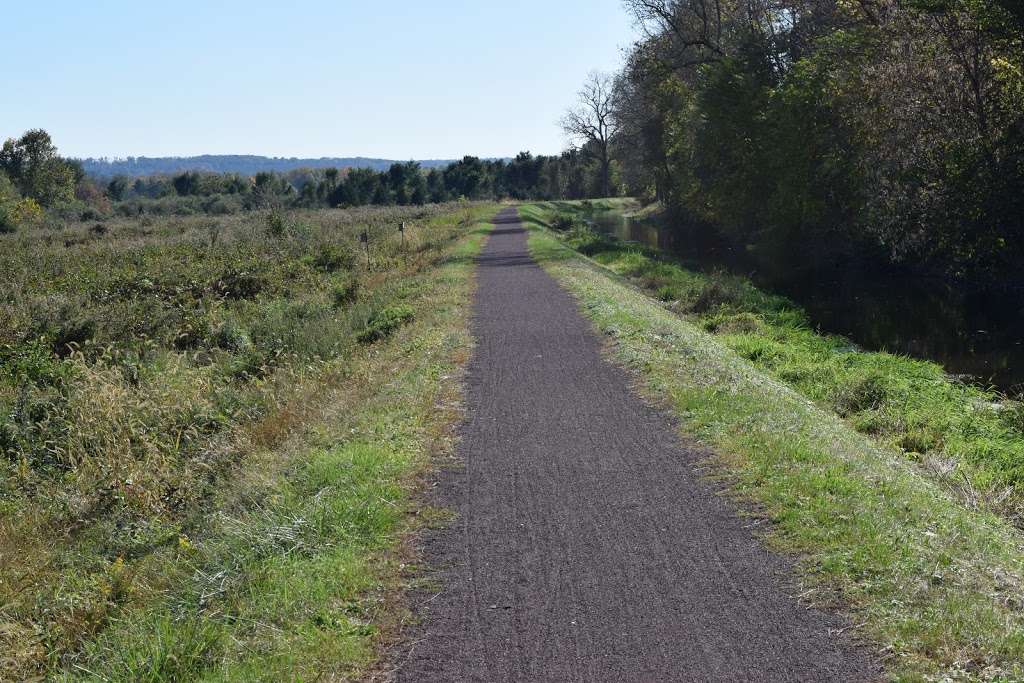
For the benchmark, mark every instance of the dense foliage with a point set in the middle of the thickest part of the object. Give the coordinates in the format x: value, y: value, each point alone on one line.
x: 877, y: 128
x: 571, y: 175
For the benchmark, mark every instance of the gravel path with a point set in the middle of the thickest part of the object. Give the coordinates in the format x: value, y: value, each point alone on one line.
x: 586, y: 546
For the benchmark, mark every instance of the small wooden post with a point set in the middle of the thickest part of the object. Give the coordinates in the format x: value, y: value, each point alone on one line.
x: 401, y: 229
x: 364, y: 237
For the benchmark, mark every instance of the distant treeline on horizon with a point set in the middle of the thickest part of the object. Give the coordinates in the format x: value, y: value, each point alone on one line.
x: 38, y: 185
x: 245, y: 164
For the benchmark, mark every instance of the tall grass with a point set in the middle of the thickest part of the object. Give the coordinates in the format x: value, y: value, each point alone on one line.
x: 141, y: 366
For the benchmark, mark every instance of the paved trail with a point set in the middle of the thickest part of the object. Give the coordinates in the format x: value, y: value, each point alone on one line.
x: 586, y: 547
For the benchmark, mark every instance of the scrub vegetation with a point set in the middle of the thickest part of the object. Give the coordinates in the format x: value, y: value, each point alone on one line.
x: 895, y: 486
x: 209, y: 431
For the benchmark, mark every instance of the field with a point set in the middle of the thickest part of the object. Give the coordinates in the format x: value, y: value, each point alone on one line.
x: 209, y: 429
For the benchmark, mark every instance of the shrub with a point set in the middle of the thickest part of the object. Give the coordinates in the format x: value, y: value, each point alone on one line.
x: 27, y: 211
x: 232, y: 337
x: 564, y: 222
x: 276, y: 226
x: 23, y: 212
x: 221, y: 205
x: 334, y: 258
x: 193, y: 330
x: 718, y: 292
x: 346, y: 294
x: 588, y: 242
x: 72, y: 334
x: 383, y: 323
x: 7, y: 222
x: 237, y: 283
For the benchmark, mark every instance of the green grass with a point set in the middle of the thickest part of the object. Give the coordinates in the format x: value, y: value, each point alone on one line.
x: 931, y: 572
x: 214, y: 484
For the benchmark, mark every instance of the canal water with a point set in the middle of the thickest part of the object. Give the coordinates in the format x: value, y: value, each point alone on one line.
x: 976, y: 335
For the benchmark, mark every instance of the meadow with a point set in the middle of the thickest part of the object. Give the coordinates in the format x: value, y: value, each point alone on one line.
x: 172, y: 392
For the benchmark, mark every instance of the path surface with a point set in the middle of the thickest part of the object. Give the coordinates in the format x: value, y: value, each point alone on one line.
x: 587, y: 547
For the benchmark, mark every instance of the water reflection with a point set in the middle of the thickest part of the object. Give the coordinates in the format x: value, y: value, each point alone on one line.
x: 975, y: 334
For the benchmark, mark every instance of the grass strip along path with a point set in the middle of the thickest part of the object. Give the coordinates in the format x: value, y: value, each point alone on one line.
x: 587, y: 545
x: 932, y: 582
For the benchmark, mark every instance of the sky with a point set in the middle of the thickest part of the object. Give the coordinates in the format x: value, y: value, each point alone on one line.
x: 307, y: 78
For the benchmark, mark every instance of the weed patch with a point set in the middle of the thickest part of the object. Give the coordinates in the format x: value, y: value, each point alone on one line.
x: 383, y: 323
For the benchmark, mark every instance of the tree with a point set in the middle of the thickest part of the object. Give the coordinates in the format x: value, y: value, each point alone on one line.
x: 420, y: 192
x: 435, y: 186
x: 591, y: 124
x: 34, y: 166
x: 188, y: 183
x: 117, y: 188
x: 466, y: 178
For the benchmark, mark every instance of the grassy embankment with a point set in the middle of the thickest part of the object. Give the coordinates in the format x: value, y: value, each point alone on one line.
x: 894, y: 485
x: 210, y: 433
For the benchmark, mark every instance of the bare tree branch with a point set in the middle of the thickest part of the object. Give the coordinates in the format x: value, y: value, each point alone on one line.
x: 591, y: 124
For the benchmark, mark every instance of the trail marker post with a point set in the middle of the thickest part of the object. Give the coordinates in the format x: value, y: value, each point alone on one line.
x: 364, y: 237
x: 401, y: 229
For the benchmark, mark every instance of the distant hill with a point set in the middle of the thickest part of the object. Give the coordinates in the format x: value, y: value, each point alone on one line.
x: 244, y: 164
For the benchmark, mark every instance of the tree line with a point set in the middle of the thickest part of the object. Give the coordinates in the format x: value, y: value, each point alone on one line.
x: 816, y: 130
x: 36, y: 182
x: 567, y: 176
x: 245, y: 164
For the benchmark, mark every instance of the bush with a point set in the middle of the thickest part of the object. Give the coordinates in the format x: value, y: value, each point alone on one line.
x: 73, y: 334
x: 588, y: 242
x: 222, y: 205
x: 238, y: 284
x: 231, y: 336
x: 346, y: 294
x: 564, y: 222
x: 276, y: 226
x: 333, y: 258
x: 718, y: 292
x: 383, y: 323
x: 23, y: 212
x: 7, y: 222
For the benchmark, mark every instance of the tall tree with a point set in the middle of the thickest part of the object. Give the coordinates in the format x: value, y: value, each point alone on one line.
x: 591, y: 124
x: 35, y: 167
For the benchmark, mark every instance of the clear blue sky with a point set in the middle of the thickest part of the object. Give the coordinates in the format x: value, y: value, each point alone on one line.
x: 397, y: 79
